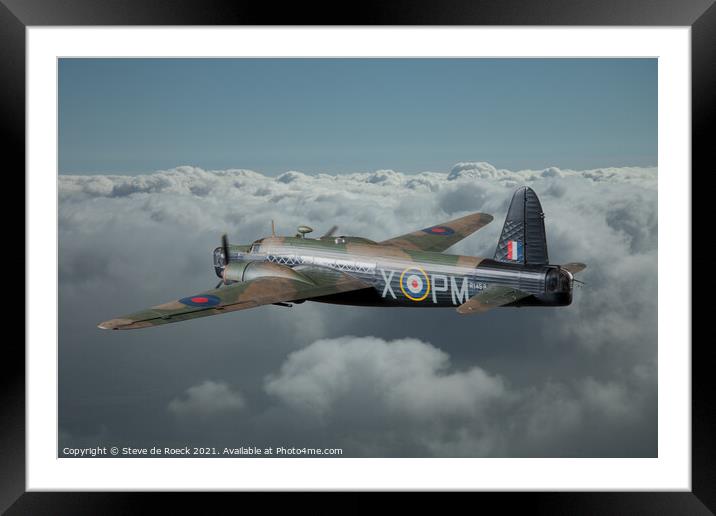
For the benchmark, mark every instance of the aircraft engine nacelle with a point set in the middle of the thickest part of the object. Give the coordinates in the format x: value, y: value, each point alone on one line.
x: 250, y: 270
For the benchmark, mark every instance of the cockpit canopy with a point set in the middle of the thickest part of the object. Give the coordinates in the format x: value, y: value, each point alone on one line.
x: 254, y: 247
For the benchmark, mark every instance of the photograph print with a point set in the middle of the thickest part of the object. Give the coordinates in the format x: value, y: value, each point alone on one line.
x: 359, y: 257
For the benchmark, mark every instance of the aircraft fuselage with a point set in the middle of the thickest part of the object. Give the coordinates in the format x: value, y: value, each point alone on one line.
x: 404, y: 277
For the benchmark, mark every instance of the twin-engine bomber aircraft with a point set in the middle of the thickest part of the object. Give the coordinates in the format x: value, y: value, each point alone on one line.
x: 409, y: 270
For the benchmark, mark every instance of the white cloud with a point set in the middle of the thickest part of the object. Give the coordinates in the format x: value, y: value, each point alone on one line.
x: 406, y: 376
x: 604, y: 217
x: 147, y: 239
x: 408, y: 387
x: 207, y: 399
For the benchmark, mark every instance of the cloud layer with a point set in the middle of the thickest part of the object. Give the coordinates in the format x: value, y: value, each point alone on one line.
x: 409, y: 388
x: 579, y: 380
x: 207, y: 399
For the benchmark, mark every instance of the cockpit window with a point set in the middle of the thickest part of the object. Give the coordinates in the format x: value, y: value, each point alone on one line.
x: 256, y: 246
x: 219, y: 257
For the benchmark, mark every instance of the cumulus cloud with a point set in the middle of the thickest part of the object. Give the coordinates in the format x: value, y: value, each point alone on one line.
x: 618, y: 204
x: 409, y: 388
x: 559, y: 374
x: 207, y: 399
x: 604, y: 217
x: 406, y: 376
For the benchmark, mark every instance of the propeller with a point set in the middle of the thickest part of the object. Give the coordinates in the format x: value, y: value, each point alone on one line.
x: 330, y: 232
x: 225, y: 248
x: 227, y: 259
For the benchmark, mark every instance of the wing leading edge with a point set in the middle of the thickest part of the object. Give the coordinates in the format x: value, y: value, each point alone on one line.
x: 239, y: 296
x: 441, y: 236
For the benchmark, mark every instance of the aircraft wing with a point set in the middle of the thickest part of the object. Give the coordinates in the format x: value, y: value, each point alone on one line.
x: 240, y: 296
x: 491, y: 297
x: 438, y: 238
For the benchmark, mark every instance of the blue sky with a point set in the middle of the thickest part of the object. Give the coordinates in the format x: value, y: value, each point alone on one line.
x: 348, y: 115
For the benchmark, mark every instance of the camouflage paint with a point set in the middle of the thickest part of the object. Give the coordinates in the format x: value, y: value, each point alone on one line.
x: 409, y: 270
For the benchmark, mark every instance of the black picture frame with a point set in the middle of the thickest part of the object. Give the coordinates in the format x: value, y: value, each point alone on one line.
x: 700, y: 15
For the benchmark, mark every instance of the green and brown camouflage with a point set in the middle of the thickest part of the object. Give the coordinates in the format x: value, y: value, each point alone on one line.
x: 240, y: 296
x: 442, y: 236
x: 408, y: 270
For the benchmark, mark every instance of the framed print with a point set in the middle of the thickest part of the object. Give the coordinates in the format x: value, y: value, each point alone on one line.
x: 187, y: 171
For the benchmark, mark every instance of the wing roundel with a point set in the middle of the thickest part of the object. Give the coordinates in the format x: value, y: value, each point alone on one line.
x: 240, y: 296
x: 441, y: 236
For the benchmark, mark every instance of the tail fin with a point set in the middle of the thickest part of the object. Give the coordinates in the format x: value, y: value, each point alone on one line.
x: 523, y: 238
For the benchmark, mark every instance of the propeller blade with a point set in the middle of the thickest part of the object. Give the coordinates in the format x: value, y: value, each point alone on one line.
x: 225, y: 246
x: 219, y: 284
x: 330, y: 232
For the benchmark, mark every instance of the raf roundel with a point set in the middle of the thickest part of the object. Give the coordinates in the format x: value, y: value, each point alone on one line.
x: 201, y: 301
x: 439, y: 230
x: 415, y: 284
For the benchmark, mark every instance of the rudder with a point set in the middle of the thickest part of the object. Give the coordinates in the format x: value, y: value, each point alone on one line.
x: 523, y: 239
